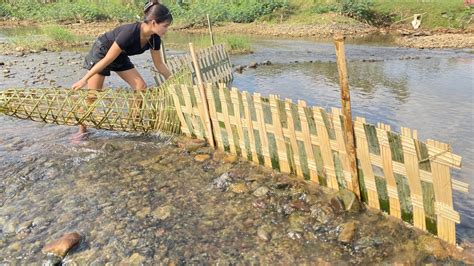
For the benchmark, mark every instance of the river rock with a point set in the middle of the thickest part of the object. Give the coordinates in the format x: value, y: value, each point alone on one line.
x: 61, y: 246
x: 136, y: 259
x: 162, y: 213
x: 202, y: 157
x: 253, y: 65
x: 222, y: 182
x: 337, y: 205
x: 192, y: 145
x: 264, y: 233
x: 349, y: 199
x: 238, y: 188
x: 347, y: 233
x: 261, y: 191
x: 230, y: 158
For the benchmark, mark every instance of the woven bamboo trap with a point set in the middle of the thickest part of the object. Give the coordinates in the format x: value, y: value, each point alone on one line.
x: 110, y: 109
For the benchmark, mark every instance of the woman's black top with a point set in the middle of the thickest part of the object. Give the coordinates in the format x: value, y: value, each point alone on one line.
x: 128, y: 39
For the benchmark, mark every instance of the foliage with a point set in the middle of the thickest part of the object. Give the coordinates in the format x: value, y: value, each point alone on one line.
x: 58, y: 33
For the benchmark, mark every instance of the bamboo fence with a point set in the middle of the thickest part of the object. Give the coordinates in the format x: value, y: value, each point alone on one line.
x: 214, y: 63
x: 398, y: 174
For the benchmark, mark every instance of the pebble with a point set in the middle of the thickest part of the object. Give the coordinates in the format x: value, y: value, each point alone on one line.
x: 261, y: 191
x: 162, y: 213
x: 238, y: 188
x: 61, y: 246
x: 347, y: 233
x: 202, y: 157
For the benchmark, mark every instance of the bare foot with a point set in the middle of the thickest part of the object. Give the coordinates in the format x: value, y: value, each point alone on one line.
x: 80, y: 135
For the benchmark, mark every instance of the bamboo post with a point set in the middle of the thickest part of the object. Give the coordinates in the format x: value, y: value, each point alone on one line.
x: 346, y: 110
x: 210, y: 29
x: 202, y: 91
x: 162, y: 51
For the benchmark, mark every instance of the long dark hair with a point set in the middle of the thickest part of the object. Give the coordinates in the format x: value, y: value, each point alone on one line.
x: 153, y: 10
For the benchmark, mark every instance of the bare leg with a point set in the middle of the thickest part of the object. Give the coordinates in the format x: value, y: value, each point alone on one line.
x: 95, y: 83
x: 135, y: 80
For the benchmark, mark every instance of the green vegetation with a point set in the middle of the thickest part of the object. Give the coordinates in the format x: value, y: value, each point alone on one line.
x: 436, y: 13
x: 49, y: 37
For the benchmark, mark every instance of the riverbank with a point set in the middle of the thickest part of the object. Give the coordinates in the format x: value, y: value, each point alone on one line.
x: 403, y: 37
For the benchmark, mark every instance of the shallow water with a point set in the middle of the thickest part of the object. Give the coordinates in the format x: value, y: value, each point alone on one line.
x: 428, y: 90
x: 85, y: 186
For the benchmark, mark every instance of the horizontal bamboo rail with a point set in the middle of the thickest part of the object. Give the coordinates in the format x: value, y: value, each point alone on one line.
x: 398, y: 174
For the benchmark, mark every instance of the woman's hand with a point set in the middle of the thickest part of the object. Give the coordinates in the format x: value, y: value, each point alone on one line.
x: 79, y: 85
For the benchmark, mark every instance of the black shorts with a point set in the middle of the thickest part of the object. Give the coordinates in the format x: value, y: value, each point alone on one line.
x: 98, y: 51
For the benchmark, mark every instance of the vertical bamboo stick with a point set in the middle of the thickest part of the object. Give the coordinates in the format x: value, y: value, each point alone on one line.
x: 346, y: 109
x: 413, y: 173
x: 257, y: 98
x: 203, y: 94
x: 210, y: 29
x: 279, y: 137
x: 235, y: 94
x: 163, y: 52
x: 387, y: 167
x: 365, y: 163
x: 307, y: 141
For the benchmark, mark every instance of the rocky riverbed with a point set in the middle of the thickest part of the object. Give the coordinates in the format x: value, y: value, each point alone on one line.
x: 142, y: 199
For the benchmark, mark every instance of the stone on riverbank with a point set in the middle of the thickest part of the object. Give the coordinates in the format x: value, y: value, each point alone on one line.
x: 61, y: 246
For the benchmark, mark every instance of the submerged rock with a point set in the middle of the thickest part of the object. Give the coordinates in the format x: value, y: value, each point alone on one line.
x: 222, y: 182
x: 238, y: 188
x: 61, y: 246
x: 347, y: 233
x: 264, y: 233
x: 261, y: 191
x: 349, y: 199
x: 163, y: 212
x: 201, y: 157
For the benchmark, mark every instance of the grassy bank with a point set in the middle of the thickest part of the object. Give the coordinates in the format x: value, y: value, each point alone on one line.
x: 436, y: 13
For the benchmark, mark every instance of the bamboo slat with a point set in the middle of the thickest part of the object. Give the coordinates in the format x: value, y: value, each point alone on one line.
x: 325, y: 147
x: 262, y: 129
x: 226, y: 116
x: 305, y: 128
x: 386, y: 165
x: 291, y: 135
x: 365, y: 163
x: 411, y: 165
x: 278, y: 132
x: 247, y: 99
x: 237, y: 121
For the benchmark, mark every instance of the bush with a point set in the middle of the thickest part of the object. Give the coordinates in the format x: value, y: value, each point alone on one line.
x: 4, y: 11
x: 360, y: 10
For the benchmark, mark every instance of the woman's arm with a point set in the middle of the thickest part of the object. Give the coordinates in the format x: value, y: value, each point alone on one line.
x: 159, y: 65
x: 113, y: 53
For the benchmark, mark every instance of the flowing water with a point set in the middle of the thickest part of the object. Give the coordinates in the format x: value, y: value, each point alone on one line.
x: 140, y: 198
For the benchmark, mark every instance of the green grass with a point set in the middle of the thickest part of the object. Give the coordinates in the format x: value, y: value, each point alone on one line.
x: 58, y: 33
x: 439, y: 13
x: 51, y: 37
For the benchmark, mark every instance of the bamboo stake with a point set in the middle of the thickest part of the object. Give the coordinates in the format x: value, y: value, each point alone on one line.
x: 162, y: 51
x: 203, y: 93
x: 210, y: 29
x: 346, y: 110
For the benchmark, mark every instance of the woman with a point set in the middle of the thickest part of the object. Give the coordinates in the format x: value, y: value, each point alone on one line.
x: 111, y: 51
